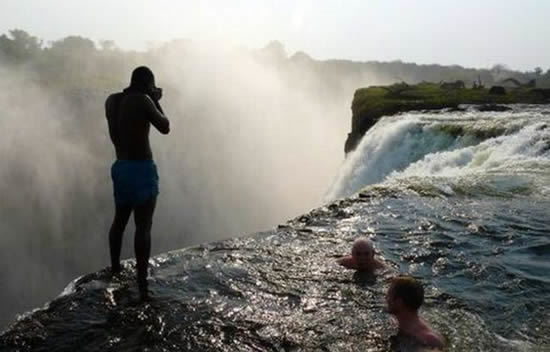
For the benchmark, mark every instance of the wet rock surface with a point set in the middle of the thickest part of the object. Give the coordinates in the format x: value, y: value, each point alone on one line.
x: 281, y: 290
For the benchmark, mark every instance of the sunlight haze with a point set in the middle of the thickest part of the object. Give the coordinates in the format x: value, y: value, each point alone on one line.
x: 467, y: 33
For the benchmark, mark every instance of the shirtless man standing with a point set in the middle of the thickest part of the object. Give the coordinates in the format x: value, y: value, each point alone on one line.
x: 135, y: 180
x: 362, y: 257
x: 404, y: 298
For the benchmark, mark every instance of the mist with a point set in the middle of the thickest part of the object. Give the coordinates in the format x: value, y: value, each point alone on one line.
x: 251, y: 145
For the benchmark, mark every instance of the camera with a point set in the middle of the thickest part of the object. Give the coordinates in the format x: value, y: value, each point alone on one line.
x: 156, y: 93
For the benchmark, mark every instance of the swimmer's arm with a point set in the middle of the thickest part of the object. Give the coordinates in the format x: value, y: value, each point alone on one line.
x: 156, y: 116
x: 379, y: 264
x: 347, y: 262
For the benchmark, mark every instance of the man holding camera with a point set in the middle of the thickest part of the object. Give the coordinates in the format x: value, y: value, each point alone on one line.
x: 130, y: 115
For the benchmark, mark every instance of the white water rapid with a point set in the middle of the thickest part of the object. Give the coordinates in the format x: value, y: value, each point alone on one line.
x: 471, y: 151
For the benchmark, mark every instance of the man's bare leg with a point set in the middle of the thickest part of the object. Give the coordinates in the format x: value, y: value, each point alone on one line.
x: 143, y: 217
x: 122, y: 214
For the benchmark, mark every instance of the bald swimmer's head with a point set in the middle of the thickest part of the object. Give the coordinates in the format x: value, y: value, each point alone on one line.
x: 363, y: 252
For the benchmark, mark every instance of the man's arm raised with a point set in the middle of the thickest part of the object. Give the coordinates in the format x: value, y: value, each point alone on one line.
x: 156, y: 116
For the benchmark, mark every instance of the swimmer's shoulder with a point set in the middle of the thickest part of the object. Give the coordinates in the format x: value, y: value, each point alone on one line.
x: 433, y: 340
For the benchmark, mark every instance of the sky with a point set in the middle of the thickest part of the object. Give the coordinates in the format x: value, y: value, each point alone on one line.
x: 470, y: 33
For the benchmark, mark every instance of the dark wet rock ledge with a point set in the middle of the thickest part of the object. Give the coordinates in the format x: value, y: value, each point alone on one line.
x: 278, y: 290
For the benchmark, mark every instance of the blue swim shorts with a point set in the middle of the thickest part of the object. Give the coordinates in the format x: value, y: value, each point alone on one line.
x: 134, y: 181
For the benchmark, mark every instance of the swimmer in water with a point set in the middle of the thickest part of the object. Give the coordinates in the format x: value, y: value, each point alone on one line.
x: 404, y: 298
x: 362, y: 257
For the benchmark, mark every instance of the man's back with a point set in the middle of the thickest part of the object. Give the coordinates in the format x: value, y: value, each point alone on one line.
x: 130, y: 116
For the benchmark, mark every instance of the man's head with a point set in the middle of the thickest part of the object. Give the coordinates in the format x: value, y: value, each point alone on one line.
x: 363, y: 251
x: 143, y: 79
x: 405, y: 294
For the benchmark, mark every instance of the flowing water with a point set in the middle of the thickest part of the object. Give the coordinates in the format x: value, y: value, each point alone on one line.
x: 459, y: 200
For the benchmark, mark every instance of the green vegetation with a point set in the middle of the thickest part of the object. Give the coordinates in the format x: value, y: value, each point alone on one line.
x: 369, y: 104
x: 76, y: 62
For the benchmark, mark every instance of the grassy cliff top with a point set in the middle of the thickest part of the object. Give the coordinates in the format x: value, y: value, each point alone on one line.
x: 425, y: 95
